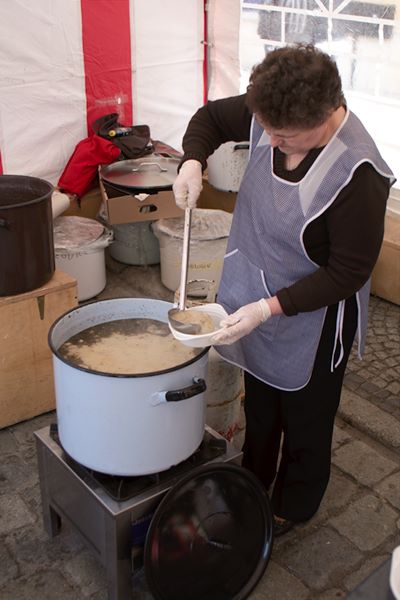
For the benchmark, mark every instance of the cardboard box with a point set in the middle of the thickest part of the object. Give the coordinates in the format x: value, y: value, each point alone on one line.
x: 386, y: 274
x: 210, y: 197
x: 26, y: 368
x: 129, y: 208
x: 88, y: 206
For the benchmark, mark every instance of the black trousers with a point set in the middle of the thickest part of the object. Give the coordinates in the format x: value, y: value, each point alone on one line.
x: 303, y: 422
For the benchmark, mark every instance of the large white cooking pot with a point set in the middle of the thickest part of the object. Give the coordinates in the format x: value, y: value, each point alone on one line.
x: 126, y: 424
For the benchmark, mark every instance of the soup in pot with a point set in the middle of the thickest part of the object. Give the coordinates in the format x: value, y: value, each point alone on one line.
x: 128, y: 347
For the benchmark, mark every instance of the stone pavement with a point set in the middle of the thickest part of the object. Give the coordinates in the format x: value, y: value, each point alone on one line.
x: 355, y: 530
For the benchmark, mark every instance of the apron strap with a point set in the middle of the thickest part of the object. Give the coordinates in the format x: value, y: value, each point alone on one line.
x: 338, y: 341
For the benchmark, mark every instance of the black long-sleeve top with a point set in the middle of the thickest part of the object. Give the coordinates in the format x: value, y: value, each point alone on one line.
x: 344, y: 241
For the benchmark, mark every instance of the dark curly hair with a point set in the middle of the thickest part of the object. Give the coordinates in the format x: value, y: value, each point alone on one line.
x: 295, y: 86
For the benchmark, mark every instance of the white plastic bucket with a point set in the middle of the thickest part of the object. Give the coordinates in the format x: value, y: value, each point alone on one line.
x: 79, y: 245
x: 135, y: 244
x: 226, y: 166
x: 208, y: 239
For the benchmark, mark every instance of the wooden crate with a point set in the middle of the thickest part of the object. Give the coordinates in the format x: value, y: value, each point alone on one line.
x: 386, y: 273
x: 26, y: 370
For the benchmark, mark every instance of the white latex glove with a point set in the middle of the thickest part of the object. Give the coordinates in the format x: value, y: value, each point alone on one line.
x: 242, y: 322
x: 188, y: 184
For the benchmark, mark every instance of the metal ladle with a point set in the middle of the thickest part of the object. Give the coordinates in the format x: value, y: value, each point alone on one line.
x: 174, y: 314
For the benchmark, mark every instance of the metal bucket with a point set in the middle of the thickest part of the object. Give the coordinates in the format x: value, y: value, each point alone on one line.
x: 135, y: 244
x: 26, y: 234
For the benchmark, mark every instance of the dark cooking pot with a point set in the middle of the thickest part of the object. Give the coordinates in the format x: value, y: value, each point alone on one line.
x: 26, y: 234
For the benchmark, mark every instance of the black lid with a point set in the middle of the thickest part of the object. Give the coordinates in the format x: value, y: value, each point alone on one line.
x: 210, y: 537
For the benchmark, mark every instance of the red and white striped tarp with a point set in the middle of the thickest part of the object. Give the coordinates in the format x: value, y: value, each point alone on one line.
x: 63, y: 63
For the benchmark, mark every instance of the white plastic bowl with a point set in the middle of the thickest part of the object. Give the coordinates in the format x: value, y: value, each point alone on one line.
x: 216, y: 312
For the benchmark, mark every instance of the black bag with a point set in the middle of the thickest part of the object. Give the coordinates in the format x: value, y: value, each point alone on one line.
x: 133, y: 141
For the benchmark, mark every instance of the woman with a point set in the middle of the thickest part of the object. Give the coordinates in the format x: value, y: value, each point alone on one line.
x: 306, y: 233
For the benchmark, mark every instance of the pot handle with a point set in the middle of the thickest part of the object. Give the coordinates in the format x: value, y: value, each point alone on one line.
x: 198, y: 386
x: 148, y: 164
x: 244, y: 146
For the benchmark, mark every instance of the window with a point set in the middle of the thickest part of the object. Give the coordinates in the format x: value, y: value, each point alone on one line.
x: 364, y: 39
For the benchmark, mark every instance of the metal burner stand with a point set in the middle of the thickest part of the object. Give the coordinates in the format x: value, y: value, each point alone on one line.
x: 107, y: 525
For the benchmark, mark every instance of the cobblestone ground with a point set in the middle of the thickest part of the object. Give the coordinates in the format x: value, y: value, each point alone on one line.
x: 377, y: 377
x: 355, y: 530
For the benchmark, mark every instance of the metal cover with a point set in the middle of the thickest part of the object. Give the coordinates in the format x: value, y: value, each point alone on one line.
x: 210, y: 537
x: 150, y: 173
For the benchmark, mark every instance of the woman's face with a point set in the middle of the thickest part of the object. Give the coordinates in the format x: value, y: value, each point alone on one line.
x: 297, y: 141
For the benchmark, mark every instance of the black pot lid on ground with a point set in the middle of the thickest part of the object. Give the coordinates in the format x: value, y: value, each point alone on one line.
x: 211, y: 536
x: 152, y: 173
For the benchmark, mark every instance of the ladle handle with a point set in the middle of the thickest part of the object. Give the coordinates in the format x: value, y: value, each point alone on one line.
x: 185, y: 258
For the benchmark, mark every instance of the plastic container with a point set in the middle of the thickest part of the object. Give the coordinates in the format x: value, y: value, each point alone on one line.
x: 135, y: 244
x: 226, y: 166
x: 79, y: 245
x: 208, y: 239
x: 217, y: 314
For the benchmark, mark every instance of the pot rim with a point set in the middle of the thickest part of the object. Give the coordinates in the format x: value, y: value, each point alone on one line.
x: 45, y: 196
x: 70, y: 363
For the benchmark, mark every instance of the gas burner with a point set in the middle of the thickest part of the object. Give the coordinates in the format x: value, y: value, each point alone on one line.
x: 112, y: 514
x: 121, y: 488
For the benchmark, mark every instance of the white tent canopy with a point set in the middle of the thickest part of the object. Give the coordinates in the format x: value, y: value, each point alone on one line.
x: 63, y: 64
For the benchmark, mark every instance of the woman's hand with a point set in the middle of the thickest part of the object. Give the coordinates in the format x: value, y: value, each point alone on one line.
x: 188, y: 184
x: 242, y: 322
